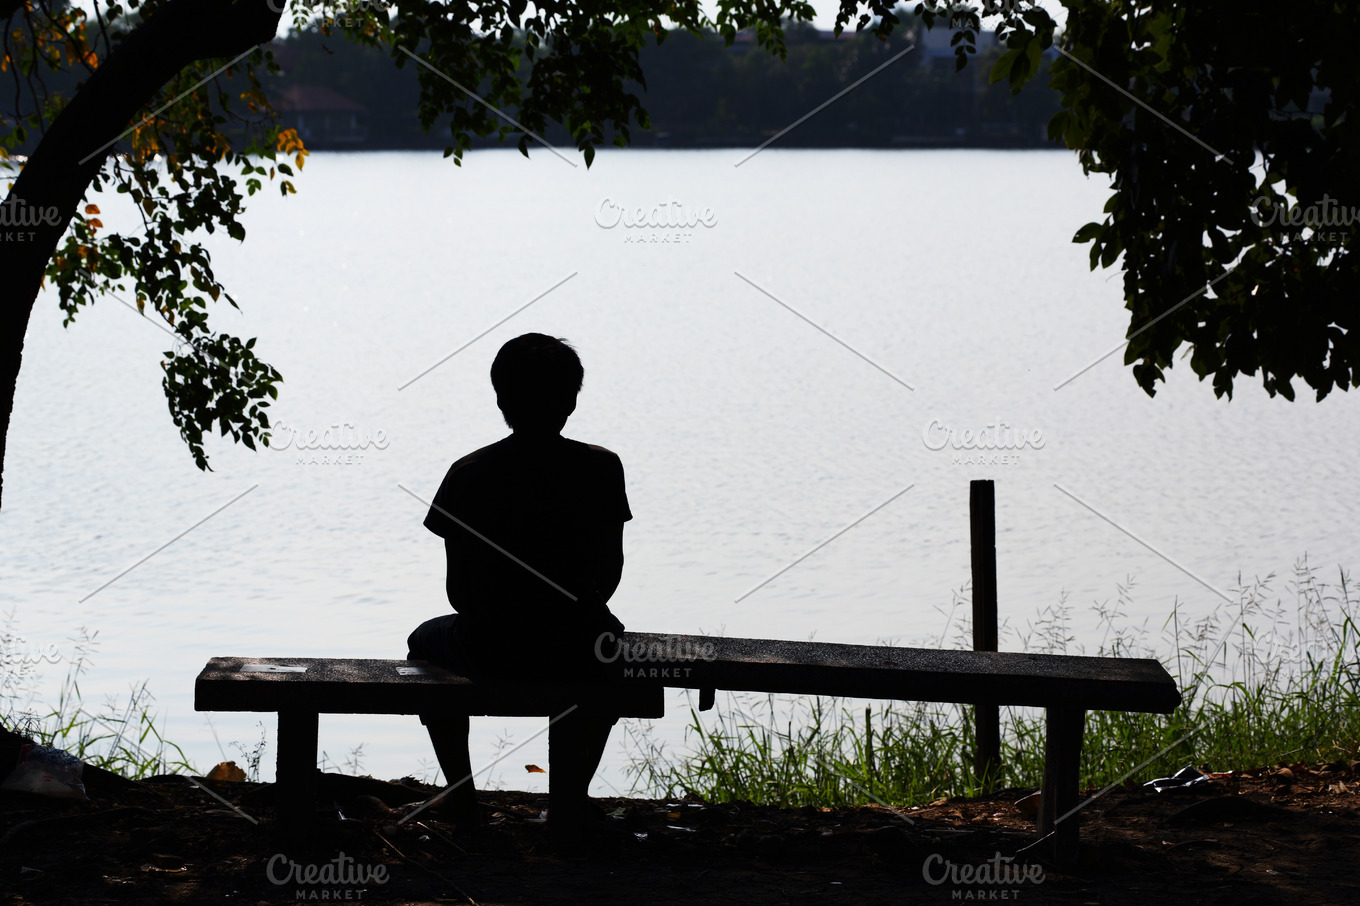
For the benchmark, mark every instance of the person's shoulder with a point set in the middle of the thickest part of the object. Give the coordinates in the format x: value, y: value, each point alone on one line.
x: 602, y: 473
x: 489, y: 453
x: 477, y: 462
x: 593, y: 453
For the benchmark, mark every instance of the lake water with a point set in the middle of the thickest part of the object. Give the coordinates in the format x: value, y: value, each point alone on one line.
x: 748, y: 434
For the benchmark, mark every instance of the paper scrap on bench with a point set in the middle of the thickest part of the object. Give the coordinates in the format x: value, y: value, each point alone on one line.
x: 271, y: 668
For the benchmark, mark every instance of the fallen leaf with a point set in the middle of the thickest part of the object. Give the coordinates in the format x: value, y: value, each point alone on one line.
x: 1028, y: 806
x: 534, y: 769
x: 228, y: 771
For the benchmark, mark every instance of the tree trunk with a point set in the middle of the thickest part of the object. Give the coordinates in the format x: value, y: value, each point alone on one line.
x: 54, y: 181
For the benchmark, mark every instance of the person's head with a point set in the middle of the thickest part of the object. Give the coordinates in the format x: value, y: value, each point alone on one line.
x: 536, y: 378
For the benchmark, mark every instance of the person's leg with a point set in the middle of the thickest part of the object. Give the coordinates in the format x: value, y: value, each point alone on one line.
x: 567, y: 782
x: 594, y: 719
x: 594, y: 738
x: 449, y: 735
x: 576, y: 747
x: 432, y: 641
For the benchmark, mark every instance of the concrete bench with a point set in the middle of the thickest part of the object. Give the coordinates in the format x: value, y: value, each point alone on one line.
x: 300, y: 689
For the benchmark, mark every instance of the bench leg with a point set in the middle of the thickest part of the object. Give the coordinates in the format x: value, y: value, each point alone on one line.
x: 1062, y: 766
x: 295, y: 776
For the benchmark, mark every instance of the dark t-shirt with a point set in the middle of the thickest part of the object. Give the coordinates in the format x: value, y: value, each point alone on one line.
x: 555, y: 507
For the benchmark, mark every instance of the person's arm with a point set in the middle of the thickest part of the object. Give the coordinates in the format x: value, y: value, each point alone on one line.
x: 453, y: 581
x: 609, y: 557
x: 441, y: 521
x: 460, y: 554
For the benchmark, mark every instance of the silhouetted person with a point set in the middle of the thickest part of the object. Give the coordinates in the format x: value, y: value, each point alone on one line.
x: 529, y: 523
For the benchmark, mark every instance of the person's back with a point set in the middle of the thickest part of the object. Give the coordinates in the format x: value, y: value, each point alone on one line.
x: 531, y: 526
x: 533, y: 538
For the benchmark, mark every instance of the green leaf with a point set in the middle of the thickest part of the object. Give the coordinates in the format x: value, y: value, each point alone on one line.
x: 1002, y: 67
x: 1088, y: 232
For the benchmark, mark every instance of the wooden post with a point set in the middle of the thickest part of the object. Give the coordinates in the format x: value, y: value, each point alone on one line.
x: 295, y: 774
x: 1062, y: 779
x: 982, y: 525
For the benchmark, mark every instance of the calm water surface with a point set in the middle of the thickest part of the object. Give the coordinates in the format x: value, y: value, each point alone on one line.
x: 749, y: 435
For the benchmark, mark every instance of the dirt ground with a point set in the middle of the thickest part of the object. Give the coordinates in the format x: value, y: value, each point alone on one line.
x: 1274, y: 836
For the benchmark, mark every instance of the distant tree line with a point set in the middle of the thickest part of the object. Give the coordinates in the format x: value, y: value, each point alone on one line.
x: 701, y: 93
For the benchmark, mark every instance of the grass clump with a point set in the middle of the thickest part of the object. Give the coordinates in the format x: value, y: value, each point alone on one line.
x: 1261, y: 683
x: 120, y: 736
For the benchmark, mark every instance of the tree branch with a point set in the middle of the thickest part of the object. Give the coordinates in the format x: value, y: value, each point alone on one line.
x: 180, y: 33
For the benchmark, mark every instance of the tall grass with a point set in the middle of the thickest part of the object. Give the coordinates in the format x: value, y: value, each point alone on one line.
x: 1261, y: 683
x: 119, y: 736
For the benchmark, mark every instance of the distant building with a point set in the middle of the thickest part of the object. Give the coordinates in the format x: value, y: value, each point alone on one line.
x: 321, y: 115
